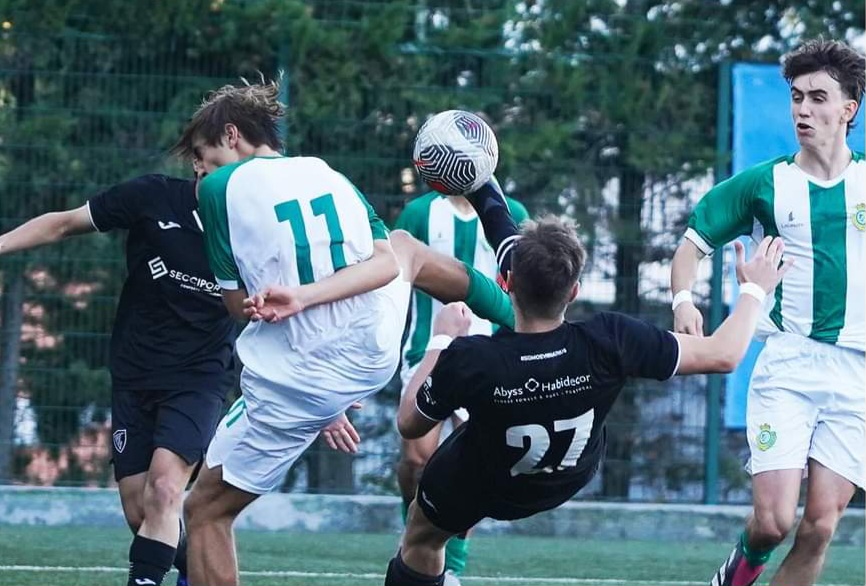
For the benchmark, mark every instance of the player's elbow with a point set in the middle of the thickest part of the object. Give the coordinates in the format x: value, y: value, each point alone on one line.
x: 406, y: 429
x: 726, y: 359
x: 409, y: 427
x: 726, y: 364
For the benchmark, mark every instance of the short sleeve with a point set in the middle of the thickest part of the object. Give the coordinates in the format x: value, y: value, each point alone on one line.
x: 377, y: 226
x: 726, y: 211
x: 641, y: 349
x: 123, y: 205
x: 214, y: 217
x: 414, y: 218
x: 438, y: 396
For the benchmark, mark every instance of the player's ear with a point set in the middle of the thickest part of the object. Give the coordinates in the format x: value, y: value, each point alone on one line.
x: 507, y: 286
x: 232, y: 135
x: 850, y: 110
x: 574, y: 291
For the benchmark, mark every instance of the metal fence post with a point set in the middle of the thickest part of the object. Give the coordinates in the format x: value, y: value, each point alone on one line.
x: 714, y: 387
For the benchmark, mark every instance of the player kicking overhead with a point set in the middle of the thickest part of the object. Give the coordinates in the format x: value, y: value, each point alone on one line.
x: 293, y: 222
x: 538, y: 396
x: 449, y: 225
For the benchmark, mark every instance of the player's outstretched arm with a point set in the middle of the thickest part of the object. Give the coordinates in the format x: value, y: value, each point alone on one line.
x: 46, y: 229
x: 452, y: 321
x: 722, y: 351
x: 279, y: 302
x: 684, y: 272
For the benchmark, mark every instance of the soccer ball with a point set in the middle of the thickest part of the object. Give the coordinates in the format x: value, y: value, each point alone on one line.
x: 455, y: 152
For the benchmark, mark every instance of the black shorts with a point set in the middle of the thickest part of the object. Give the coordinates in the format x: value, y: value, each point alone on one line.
x: 455, y: 492
x: 180, y: 421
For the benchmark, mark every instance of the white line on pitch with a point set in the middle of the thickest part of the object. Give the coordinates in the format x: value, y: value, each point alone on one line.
x: 374, y: 576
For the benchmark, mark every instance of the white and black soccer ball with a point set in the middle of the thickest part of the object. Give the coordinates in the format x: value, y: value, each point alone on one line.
x: 455, y: 152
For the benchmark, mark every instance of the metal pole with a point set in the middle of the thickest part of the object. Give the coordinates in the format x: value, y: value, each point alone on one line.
x: 714, y: 386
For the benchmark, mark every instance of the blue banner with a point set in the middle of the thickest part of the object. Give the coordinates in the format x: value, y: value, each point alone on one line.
x: 762, y: 129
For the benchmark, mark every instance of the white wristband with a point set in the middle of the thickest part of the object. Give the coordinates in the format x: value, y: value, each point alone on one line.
x: 753, y: 290
x: 684, y: 296
x: 439, y: 342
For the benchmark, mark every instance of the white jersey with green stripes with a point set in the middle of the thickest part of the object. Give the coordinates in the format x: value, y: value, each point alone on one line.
x: 435, y: 220
x: 293, y: 221
x: 823, y: 225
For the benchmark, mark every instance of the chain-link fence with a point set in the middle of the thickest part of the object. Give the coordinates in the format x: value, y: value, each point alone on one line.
x: 82, y: 111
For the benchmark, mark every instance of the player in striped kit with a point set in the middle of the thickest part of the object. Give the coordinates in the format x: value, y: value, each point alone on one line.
x: 448, y: 225
x: 806, y: 407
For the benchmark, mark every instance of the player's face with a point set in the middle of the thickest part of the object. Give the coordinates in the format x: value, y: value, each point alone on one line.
x: 820, y: 109
x: 208, y: 158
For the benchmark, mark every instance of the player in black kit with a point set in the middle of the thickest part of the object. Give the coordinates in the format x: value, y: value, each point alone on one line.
x: 171, y: 354
x: 538, y: 396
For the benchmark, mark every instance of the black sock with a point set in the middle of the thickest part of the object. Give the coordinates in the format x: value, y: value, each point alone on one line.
x: 180, y: 555
x: 499, y: 227
x: 149, y: 561
x: 399, y: 574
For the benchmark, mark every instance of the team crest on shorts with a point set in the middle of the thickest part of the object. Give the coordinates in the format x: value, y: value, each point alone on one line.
x: 858, y: 218
x: 119, y: 438
x: 766, y: 437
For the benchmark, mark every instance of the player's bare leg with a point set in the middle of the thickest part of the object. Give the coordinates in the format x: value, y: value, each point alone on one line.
x: 827, y: 497
x: 163, y: 496
x: 774, y: 495
x: 210, y: 511
x: 447, y: 279
x: 152, y: 503
x: 439, y: 275
x: 413, y: 457
x: 421, y: 558
x: 131, y: 490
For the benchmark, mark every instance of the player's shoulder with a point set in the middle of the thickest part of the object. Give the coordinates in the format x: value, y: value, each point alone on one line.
x: 605, y: 325
x: 154, y: 187
x: 470, y: 343
x: 216, y: 182
x: 858, y: 157
x: 421, y: 202
x: 159, y: 181
x: 766, y: 167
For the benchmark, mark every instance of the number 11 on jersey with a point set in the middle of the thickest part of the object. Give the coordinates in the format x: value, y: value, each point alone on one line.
x: 290, y: 211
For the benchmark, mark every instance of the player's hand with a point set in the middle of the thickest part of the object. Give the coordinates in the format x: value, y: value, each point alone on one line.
x: 453, y: 320
x: 766, y: 267
x: 688, y: 319
x: 274, y: 304
x: 341, y: 435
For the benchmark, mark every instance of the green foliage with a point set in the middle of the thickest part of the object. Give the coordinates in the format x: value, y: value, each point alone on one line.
x: 597, y: 104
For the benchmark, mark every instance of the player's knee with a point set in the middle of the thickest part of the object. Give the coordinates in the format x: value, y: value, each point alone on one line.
x: 414, y: 460
x: 772, y: 526
x: 405, y: 247
x: 134, y: 516
x: 162, y: 493
x: 194, y: 512
x: 815, y: 532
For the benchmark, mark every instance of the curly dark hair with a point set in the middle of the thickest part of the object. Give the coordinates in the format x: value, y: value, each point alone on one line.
x: 840, y: 61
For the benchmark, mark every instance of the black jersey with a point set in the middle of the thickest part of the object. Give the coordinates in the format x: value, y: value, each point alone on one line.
x: 537, y: 402
x: 171, y: 331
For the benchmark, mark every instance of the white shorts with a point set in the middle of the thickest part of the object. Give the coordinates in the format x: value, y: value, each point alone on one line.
x: 807, y: 400
x: 255, y: 457
x: 278, y: 417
